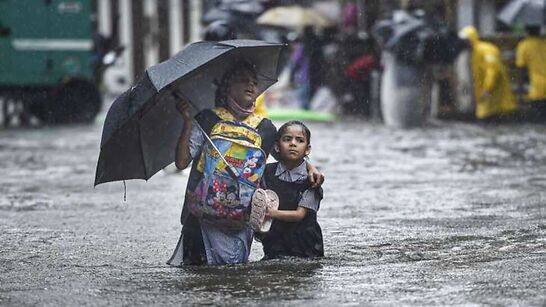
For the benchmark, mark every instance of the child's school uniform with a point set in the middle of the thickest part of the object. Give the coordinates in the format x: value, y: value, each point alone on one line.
x: 300, y: 239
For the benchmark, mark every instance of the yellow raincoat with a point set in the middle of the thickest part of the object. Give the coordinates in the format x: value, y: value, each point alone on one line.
x: 531, y: 53
x: 492, y: 88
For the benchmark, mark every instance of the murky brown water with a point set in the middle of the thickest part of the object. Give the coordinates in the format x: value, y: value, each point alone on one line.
x: 446, y: 215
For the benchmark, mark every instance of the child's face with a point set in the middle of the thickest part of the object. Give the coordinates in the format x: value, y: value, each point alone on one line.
x: 293, y: 145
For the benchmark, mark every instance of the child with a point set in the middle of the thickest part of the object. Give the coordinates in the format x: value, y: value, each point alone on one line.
x: 295, y: 231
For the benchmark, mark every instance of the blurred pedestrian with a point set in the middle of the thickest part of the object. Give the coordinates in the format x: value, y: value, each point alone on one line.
x: 306, y: 66
x: 299, y: 73
x: 531, y: 59
x: 358, y: 75
x: 313, y: 49
x: 492, y: 90
x: 350, y: 17
x: 331, y: 52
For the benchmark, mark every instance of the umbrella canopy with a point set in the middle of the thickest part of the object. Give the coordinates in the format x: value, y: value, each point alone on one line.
x: 233, y: 11
x: 525, y: 12
x: 414, y: 41
x: 142, y: 126
x: 242, y: 23
x: 295, y: 17
x: 404, y: 36
x: 251, y: 7
x: 215, y: 14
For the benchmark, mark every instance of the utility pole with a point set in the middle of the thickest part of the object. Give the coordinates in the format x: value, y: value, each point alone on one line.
x: 114, y: 19
x: 186, y: 21
x: 137, y: 39
x: 164, y: 29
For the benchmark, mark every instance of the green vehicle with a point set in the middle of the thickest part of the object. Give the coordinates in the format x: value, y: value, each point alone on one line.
x: 47, y: 59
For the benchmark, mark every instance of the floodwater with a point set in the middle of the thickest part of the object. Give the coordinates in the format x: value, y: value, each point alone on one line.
x: 449, y: 214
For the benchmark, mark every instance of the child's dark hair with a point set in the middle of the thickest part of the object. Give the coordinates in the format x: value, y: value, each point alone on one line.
x: 283, y: 128
x: 237, y: 68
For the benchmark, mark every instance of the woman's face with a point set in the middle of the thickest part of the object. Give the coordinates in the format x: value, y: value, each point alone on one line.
x: 243, y: 89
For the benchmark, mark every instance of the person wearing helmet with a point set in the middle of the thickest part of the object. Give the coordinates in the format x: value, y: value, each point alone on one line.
x: 221, y: 30
x: 492, y: 90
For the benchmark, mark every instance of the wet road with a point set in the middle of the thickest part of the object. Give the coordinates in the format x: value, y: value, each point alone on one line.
x: 448, y: 215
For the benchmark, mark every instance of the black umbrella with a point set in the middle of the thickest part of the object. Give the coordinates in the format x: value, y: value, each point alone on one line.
x: 142, y: 126
x: 525, y: 12
x: 404, y: 31
x: 404, y: 36
x: 216, y: 13
x: 238, y: 12
x: 243, y: 23
x: 249, y: 7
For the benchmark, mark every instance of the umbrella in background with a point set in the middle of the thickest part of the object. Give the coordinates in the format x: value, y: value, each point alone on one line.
x: 404, y: 36
x: 524, y: 12
x: 249, y: 7
x: 240, y: 14
x: 405, y: 32
x: 142, y: 126
x: 233, y: 18
x: 234, y: 11
x: 329, y: 9
x: 416, y: 40
x: 294, y: 17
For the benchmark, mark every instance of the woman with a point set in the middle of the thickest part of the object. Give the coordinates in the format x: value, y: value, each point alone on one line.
x: 203, y: 240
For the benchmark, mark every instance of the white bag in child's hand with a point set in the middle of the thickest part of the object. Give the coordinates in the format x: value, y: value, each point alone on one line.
x: 261, y: 200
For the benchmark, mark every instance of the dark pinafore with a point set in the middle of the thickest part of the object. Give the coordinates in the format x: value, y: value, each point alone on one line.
x: 300, y: 239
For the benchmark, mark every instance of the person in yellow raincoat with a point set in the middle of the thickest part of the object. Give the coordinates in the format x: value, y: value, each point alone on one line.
x: 492, y: 90
x: 531, y: 55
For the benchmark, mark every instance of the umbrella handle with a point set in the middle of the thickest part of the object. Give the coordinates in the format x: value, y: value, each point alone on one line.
x: 230, y: 169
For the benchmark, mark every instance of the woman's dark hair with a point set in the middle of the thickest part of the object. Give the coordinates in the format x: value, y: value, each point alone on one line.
x: 237, y: 68
x: 284, y: 127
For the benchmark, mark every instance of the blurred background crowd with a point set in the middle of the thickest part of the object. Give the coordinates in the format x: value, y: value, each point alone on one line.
x: 399, y: 61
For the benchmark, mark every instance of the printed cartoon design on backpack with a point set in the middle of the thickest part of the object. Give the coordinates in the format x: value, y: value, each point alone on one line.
x: 219, y: 197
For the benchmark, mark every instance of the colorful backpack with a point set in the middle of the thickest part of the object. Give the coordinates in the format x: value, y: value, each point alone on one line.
x: 224, y: 193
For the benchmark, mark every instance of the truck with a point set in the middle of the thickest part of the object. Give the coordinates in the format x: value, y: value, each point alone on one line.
x: 49, y: 62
